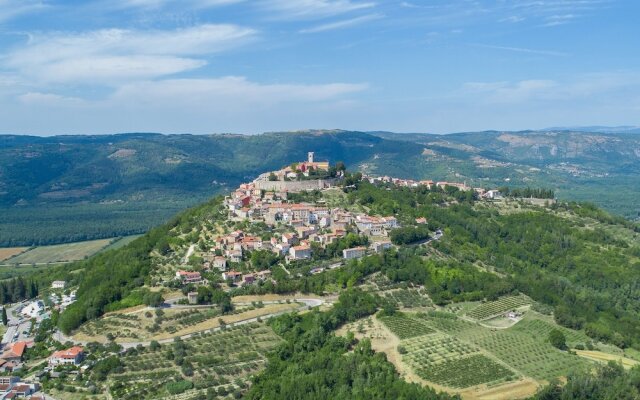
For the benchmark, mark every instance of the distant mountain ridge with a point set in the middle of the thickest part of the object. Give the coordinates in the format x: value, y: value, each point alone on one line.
x: 126, y: 183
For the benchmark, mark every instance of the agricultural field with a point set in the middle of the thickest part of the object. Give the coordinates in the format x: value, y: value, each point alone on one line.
x: 8, y: 252
x: 408, y: 298
x: 526, y: 351
x: 501, y: 306
x: 61, y: 252
x: 147, y: 324
x: 540, y: 328
x: 405, y: 327
x: 441, y: 348
x: 216, y: 364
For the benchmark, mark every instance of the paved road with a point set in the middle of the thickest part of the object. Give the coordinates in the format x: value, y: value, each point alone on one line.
x: 308, y: 304
x: 15, y: 324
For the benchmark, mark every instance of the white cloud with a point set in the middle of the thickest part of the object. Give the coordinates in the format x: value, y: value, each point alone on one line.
x: 230, y: 91
x: 228, y: 104
x: 112, y: 55
x: 313, y: 9
x: 342, y: 24
x: 13, y: 8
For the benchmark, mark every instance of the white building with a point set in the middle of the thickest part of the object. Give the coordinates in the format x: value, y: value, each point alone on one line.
x: 58, y: 284
x: 300, y: 252
x: 355, y: 252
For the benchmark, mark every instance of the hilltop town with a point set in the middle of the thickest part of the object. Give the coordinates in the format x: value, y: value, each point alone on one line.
x: 291, y: 240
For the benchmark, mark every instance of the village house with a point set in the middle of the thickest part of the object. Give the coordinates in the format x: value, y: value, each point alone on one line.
x: 421, y: 220
x: 355, y: 252
x: 192, y: 297
x: 14, y: 353
x: 187, y: 277
x: 381, y: 246
x: 233, y: 276
x: 72, y: 356
x: 220, y: 263
x: 300, y: 252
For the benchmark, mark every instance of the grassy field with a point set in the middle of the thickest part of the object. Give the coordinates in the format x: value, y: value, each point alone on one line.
x: 8, y: 252
x: 61, y: 252
x: 219, y: 363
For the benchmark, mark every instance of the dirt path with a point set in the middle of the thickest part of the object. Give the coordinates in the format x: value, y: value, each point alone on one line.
x: 605, y: 357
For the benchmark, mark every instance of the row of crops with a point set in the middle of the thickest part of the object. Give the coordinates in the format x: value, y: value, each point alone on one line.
x: 494, y: 308
x: 532, y: 355
x: 405, y: 327
x: 218, y: 363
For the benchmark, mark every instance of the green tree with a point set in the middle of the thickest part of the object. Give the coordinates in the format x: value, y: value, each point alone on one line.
x: 5, y: 320
x: 557, y: 339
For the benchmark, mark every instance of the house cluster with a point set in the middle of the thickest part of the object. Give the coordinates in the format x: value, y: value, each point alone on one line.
x: 12, y: 387
x: 306, y: 223
x: 414, y: 184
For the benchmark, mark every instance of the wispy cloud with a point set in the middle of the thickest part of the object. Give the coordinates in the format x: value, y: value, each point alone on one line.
x: 342, y: 24
x: 555, y: 20
x: 13, y: 8
x: 113, y: 55
x: 151, y: 4
x: 313, y: 9
x: 523, y: 50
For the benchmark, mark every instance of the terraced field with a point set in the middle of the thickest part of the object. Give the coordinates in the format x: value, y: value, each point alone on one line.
x: 217, y: 363
x: 501, y: 306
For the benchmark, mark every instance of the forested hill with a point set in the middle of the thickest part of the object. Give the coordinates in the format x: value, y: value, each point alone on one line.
x: 68, y: 188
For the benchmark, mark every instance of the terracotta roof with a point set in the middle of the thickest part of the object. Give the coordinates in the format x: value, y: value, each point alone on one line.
x: 69, y: 353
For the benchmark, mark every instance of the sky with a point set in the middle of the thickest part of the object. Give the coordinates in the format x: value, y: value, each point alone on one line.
x: 251, y: 66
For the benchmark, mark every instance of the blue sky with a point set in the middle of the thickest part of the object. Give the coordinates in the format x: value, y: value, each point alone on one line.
x: 249, y: 66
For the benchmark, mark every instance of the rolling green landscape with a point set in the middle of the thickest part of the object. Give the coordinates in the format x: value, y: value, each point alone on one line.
x: 73, y: 188
x: 512, y: 297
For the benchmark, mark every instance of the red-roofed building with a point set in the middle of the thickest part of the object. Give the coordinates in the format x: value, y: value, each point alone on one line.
x: 15, y: 352
x: 189, y: 276
x: 72, y: 356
